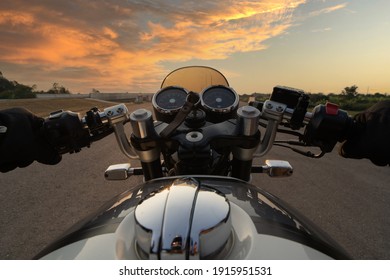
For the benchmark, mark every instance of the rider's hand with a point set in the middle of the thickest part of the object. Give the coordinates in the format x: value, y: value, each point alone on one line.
x: 370, y: 137
x: 22, y: 140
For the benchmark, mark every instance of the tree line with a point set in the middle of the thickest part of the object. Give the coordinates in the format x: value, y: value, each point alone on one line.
x: 14, y: 90
x: 348, y: 99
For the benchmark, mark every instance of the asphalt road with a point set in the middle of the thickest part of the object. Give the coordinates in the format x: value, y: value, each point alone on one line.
x: 348, y: 199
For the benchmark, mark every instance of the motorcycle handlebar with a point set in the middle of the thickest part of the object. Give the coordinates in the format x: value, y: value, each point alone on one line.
x: 324, y: 126
x: 68, y: 132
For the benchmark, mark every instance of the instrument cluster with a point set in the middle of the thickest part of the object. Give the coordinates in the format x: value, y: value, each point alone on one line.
x: 219, y: 102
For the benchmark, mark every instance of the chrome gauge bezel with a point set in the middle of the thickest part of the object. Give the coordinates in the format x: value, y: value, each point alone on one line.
x: 228, y: 109
x: 167, y: 111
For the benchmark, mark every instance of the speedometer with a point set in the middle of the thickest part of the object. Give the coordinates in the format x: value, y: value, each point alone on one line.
x: 168, y: 101
x: 219, y: 102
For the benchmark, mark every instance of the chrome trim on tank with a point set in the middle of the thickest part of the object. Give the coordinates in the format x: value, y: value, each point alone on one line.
x: 183, y: 221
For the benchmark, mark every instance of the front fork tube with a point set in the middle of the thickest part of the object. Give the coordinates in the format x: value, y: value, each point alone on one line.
x: 151, y: 163
x: 143, y: 130
x: 152, y: 169
x: 242, y: 163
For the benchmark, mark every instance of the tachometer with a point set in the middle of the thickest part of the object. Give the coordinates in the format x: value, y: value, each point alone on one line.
x: 219, y: 102
x: 168, y: 101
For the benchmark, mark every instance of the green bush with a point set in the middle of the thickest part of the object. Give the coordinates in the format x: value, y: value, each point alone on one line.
x: 14, y: 90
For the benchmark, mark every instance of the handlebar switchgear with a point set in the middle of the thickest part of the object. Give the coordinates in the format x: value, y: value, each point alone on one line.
x: 327, y: 126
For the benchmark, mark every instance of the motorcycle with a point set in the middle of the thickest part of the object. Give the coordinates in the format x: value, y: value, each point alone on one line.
x: 196, y: 153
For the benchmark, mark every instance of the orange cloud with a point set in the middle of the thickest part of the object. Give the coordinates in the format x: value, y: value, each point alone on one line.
x: 16, y: 18
x: 110, y: 47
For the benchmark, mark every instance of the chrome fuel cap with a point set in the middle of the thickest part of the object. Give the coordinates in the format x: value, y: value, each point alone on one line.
x: 185, y: 220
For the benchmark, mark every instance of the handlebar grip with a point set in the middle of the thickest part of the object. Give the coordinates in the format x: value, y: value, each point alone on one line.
x: 65, y: 132
x: 327, y: 126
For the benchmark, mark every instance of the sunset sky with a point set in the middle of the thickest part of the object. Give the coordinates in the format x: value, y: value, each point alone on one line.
x: 130, y: 45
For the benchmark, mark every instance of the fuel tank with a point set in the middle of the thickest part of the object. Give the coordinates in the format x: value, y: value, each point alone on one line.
x: 197, y: 217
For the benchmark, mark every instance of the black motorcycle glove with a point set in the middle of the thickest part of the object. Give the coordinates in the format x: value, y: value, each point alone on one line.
x: 22, y: 140
x: 370, y: 137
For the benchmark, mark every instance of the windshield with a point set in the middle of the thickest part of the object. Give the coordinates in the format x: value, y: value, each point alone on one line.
x: 195, y: 78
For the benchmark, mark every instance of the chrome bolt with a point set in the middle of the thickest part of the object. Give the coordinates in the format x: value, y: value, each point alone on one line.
x: 140, y: 113
x: 248, y: 110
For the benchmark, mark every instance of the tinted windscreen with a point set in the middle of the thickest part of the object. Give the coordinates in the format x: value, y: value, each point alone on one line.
x: 194, y: 78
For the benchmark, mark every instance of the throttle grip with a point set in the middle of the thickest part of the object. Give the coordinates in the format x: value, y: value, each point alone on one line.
x: 328, y: 125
